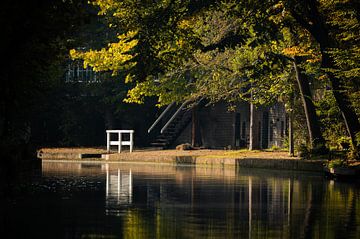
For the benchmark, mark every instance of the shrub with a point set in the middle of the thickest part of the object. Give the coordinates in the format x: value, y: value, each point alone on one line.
x: 337, y: 163
x: 304, y: 152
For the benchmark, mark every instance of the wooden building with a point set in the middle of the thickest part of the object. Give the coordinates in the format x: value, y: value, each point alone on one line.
x: 216, y: 127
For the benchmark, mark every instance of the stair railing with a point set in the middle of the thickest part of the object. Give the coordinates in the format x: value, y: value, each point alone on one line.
x: 173, y: 117
x: 161, y: 115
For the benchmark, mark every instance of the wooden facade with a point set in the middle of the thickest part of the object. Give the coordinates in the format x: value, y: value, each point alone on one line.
x: 220, y: 128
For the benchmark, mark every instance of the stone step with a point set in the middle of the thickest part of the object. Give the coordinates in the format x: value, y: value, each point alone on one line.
x: 158, y: 144
x: 159, y: 140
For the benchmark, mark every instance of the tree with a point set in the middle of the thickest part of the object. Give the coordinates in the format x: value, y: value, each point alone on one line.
x: 334, y: 36
x: 316, y: 139
x: 33, y: 49
x: 229, y: 50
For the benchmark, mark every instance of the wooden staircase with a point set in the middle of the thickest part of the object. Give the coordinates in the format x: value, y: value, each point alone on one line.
x: 176, y: 118
x: 173, y: 130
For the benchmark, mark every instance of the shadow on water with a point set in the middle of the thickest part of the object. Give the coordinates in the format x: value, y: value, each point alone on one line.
x: 74, y: 200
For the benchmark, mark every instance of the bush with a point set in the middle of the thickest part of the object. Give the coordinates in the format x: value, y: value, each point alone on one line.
x: 304, y: 152
x: 275, y: 148
x: 337, y: 163
x: 344, y: 142
x: 353, y: 154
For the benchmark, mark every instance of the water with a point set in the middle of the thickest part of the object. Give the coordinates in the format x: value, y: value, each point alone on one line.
x: 73, y: 200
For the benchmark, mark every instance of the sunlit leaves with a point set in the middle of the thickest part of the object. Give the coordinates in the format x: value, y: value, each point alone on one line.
x: 177, y: 50
x: 343, y: 18
x: 168, y: 87
x: 116, y: 57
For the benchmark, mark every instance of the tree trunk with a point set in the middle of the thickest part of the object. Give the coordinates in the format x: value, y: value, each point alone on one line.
x: 344, y: 103
x: 310, y: 19
x: 252, y: 128
x: 316, y: 139
x: 291, y: 124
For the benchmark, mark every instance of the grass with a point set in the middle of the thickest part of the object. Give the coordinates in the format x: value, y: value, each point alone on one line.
x: 203, y: 153
x: 244, y: 153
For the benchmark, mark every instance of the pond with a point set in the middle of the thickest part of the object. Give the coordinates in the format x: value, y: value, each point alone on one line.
x: 94, y: 200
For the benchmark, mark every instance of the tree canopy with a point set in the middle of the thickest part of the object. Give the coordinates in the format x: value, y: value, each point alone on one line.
x: 231, y: 50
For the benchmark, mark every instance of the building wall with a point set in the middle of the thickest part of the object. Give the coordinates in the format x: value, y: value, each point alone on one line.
x: 277, y: 125
x: 221, y: 128
x: 185, y: 136
x: 243, y: 109
x: 272, y: 131
x: 217, y: 126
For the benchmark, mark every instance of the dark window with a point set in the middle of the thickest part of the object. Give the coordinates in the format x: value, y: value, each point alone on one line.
x: 271, y: 133
x: 282, y: 129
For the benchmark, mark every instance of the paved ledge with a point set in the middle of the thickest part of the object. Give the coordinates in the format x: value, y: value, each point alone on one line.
x: 68, y: 155
x: 59, y: 155
x: 266, y: 163
x: 285, y: 164
x: 208, y: 158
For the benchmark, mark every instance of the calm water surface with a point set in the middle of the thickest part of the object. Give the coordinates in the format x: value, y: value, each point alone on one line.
x: 73, y: 200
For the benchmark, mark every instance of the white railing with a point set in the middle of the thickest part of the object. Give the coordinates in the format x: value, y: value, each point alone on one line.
x: 173, y: 117
x: 159, y: 118
x: 119, y: 142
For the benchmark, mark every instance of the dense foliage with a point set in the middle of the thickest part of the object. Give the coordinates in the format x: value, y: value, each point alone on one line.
x: 232, y: 50
x: 179, y: 50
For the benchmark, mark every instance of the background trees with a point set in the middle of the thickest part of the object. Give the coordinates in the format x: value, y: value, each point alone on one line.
x: 231, y: 50
x: 33, y: 47
x: 324, y: 20
x: 178, y: 50
x: 37, y: 108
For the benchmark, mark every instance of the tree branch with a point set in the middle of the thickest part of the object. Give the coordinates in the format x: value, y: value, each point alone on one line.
x: 229, y: 41
x: 301, y: 20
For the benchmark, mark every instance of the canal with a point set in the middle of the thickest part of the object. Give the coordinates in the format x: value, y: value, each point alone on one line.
x: 94, y: 200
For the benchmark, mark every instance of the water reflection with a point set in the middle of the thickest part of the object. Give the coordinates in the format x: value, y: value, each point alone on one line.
x: 118, y: 190
x: 151, y: 201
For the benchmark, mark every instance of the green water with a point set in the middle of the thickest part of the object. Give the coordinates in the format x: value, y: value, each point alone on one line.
x: 73, y: 200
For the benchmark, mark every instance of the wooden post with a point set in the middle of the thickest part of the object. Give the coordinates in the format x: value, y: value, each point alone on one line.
x: 108, y: 142
x: 131, y: 141
x: 120, y: 142
x: 195, y: 129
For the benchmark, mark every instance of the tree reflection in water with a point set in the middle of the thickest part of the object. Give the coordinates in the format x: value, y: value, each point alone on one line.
x: 152, y: 201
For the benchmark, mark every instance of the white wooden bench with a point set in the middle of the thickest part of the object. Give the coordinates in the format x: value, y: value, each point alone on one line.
x: 119, y: 142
